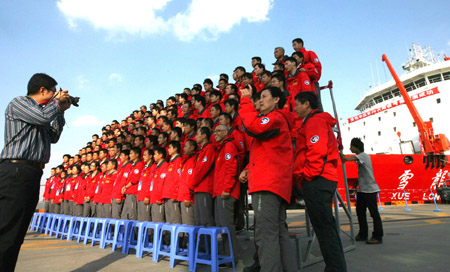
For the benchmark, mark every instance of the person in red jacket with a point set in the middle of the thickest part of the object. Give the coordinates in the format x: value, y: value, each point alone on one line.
x: 310, y: 56
x: 89, y: 209
x: 315, y: 167
x: 200, y: 106
x: 99, y: 197
x: 185, y: 197
x: 296, y: 81
x: 156, y: 185
x: 270, y: 188
x: 171, y: 185
x: 80, y: 187
x: 68, y: 191
x: 143, y: 194
x: 57, y: 194
x: 130, y: 185
x: 76, y: 170
x: 107, y: 187
x: 226, y: 184
x: 117, y: 196
x: 202, y: 179
x: 48, y: 185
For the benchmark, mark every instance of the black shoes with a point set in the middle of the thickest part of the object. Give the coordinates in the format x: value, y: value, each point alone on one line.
x: 253, y: 268
x: 359, y: 238
x: 373, y: 241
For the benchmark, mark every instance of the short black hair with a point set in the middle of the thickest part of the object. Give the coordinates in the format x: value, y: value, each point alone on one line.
x: 298, y: 40
x: 40, y: 80
x: 176, y: 145
x: 356, y: 142
x: 206, y: 131
x: 308, y: 96
x: 162, y: 151
x: 276, y: 92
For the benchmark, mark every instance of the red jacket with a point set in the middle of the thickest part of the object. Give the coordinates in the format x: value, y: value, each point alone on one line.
x: 186, y: 171
x: 48, y: 185
x: 106, y: 187
x: 226, y: 170
x: 299, y: 82
x: 259, y: 85
x: 143, y: 190
x: 311, y: 71
x: 156, y: 185
x: 80, y: 186
x: 120, y: 181
x: 201, y: 180
x: 92, y: 185
x: 271, y: 151
x: 172, y: 180
x: 56, y: 193
x: 68, y: 188
x: 133, y: 176
x: 317, y: 151
x: 311, y: 57
x: 205, y: 113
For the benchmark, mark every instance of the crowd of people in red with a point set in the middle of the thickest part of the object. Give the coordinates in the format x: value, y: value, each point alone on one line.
x: 193, y: 159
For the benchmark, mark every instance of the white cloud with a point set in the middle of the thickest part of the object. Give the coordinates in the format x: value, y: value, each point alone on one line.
x: 214, y: 78
x: 203, y: 18
x: 87, y: 120
x: 115, y: 77
x: 82, y: 82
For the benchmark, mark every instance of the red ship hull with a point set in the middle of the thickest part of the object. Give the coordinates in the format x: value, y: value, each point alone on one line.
x: 397, y: 179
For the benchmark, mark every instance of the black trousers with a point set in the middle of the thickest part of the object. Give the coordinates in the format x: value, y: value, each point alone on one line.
x: 364, y: 201
x: 318, y: 195
x: 19, y: 195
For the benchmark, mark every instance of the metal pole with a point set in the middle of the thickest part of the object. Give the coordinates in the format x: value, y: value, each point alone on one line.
x: 406, y: 201
x: 435, y: 204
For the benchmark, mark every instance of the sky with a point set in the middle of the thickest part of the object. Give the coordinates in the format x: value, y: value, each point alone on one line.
x: 119, y: 55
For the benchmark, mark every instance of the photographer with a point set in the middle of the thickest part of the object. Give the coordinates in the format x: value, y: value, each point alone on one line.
x: 32, y: 122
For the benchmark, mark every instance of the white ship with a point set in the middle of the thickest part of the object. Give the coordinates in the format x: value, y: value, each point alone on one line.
x: 385, y: 124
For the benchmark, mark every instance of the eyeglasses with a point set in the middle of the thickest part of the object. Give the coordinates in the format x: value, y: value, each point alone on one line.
x: 219, y: 130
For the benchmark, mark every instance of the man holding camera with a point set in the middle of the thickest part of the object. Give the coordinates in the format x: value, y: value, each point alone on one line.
x: 32, y: 123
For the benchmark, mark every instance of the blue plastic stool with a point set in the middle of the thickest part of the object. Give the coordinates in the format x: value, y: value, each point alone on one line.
x: 82, y: 229
x: 214, y: 260
x: 108, y: 238
x: 34, y: 224
x: 74, y: 231
x: 120, y: 234
x: 166, y: 250
x: 65, y: 226
x: 42, y: 223
x: 50, y: 219
x: 185, y: 254
x: 95, y: 230
x: 143, y: 236
x: 131, y: 240
x: 57, y: 221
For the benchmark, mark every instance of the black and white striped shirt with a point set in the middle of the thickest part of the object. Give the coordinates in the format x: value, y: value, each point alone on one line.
x: 30, y: 128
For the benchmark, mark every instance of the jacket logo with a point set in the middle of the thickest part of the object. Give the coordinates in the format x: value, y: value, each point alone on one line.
x: 227, y: 156
x: 179, y: 170
x: 314, y: 139
x: 136, y: 171
x: 242, y: 144
x: 205, y: 159
x: 163, y: 175
x: 265, y: 120
x: 125, y: 174
x: 306, y: 82
x: 190, y: 171
x: 316, y: 60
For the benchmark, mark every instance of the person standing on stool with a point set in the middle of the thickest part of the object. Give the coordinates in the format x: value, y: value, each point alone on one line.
x: 32, y: 123
x: 366, y: 195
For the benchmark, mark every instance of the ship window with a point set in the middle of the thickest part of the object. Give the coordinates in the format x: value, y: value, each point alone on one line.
x: 387, y: 96
x: 420, y: 83
x: 435, y: 78
x: 394, y: 113
x: 414, y: 124
x: 379, y: 133
x: 396, y: 92
x: 378, y: 99
x: 395, y: 129
x: 410, y: 86
x: 379, y: 118
x: 438, y: 101
x: 446, y: 76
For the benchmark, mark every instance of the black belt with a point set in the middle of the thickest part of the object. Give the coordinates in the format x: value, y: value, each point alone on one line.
x: 27, y: 162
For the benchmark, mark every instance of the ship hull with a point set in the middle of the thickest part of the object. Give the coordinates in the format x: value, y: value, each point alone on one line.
x: 398, y: 179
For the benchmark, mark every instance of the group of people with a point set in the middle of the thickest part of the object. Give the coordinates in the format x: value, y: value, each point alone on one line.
x: 193, y: 159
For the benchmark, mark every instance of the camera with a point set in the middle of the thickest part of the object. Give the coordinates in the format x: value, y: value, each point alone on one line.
x: 73, y: 99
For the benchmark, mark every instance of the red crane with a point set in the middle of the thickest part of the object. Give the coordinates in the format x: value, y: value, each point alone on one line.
x: 433, y: 146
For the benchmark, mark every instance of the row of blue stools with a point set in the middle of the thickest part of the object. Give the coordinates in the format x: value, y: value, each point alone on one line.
x: 122, y: 233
